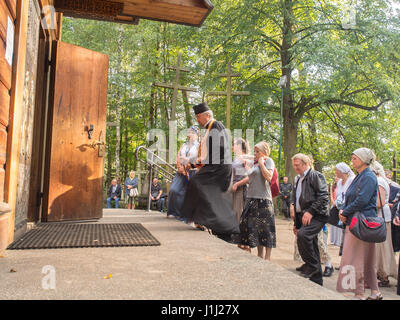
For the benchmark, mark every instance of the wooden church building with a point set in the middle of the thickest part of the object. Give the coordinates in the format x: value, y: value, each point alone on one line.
x: 53, y: 99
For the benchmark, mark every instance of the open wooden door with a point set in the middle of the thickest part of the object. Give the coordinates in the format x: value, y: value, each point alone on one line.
x: 74, y: 166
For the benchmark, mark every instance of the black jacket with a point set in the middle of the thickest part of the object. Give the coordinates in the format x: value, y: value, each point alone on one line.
x: 117, y: 193
x: 286, y: 190
x: 314, y: 197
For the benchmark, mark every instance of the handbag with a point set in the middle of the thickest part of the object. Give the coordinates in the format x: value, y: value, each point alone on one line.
x: 274, y: 184
x: 133, y: 192
x: 368, y: 229
x: 334, y: 218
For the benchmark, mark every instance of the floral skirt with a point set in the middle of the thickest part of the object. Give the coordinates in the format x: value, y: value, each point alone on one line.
x: 257, y: 224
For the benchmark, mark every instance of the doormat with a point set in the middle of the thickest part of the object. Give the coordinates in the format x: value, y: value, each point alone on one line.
x: 82, y: 235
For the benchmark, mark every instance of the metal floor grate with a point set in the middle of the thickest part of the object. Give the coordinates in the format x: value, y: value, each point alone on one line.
x: 80, y: 235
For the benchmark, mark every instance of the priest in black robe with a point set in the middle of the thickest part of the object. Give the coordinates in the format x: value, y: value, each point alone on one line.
x: 208, y: 199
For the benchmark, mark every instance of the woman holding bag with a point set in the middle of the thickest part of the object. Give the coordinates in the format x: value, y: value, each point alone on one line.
x: 358, y: 264
x: 131, y: 191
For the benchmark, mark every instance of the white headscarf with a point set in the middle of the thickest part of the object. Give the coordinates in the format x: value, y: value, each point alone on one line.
x: 366, y: 155
x: 344, y: 168
x: 377, y: 168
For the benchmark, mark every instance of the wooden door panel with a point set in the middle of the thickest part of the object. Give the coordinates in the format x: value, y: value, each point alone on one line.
x: 80, y: 97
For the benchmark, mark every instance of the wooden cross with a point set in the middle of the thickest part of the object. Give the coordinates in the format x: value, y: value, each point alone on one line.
x: 228, y: 93
x: 175, y: 86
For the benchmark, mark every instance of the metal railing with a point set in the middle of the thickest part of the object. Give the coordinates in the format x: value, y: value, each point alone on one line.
x: 155, y: 164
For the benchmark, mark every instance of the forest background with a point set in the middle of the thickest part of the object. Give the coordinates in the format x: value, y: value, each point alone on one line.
x: 340, y: 58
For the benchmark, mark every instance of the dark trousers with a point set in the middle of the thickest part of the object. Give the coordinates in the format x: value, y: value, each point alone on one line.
x: 398, y: 280
x: 159, y: 204
x: 307, y: 242
x: 285, y: 207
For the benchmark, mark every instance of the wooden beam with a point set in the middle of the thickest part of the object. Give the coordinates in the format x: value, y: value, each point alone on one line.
x: 228, y: 93
x: 87, y: 8
x: 16, y: 107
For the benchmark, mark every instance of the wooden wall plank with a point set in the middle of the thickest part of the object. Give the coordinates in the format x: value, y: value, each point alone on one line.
x: 2, y: 178
x: 4, y: 14
x: 16, y: 105
x: 3, y: 139
x: 5, y: 68
x: 12, y: 6
x: 3, y: 150
x: 5, y: 73
x: 4, y: 105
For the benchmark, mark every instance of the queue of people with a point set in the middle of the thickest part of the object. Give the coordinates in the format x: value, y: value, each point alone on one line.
x: 234, y: 201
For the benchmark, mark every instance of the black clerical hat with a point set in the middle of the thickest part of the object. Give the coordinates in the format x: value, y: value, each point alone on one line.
x: 200, y: 108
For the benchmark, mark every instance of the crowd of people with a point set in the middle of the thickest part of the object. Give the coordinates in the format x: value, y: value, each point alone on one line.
x: 234, y: 201
x: 243, y: 213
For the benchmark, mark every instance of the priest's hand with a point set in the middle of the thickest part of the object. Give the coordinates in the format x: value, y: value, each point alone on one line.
x: 396, y: 221
x: 295, y: 230
x: 306, y: 219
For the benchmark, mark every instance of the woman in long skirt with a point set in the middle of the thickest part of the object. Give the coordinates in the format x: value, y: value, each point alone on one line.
x: 239, y: 168
x: 257, y: 223
x: 187, y: 154
x: 358, y: 264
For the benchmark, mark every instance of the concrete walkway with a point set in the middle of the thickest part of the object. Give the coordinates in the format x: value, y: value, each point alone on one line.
x: 189, y: 264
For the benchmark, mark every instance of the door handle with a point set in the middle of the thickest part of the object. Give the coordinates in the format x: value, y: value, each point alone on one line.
x: 94, y: 144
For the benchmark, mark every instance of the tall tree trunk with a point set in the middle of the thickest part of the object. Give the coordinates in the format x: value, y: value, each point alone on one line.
x: 290, y: 129
x: 290, y: 121
x: 188, y: 114
x: 118, y: 110
x: 314, y: 143
x: 108, y: 132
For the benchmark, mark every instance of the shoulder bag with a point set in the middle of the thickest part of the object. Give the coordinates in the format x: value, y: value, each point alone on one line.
x: 368, y: 229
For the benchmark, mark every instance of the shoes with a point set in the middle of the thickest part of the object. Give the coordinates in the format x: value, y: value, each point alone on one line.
x: 375, y: 296
x: 301, y: 268
x: 384, y: 284
x: 328, y: 271
x: 358, y: 298
x: 309, y: 274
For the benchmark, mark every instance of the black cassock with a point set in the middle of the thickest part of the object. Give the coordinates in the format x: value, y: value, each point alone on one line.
x: 208, y: 199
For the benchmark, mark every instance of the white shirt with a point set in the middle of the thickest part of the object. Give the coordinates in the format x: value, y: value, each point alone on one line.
x: 386, y: 209
x: 189, y: 151
x: 342, y: 189
x: 299, y: 186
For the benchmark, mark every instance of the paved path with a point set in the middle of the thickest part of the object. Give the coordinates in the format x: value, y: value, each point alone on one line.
x: 283, y: 255
x: 189, y: 264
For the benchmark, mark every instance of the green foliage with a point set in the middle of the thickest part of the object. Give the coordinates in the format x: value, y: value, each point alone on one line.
x: 343, y: 83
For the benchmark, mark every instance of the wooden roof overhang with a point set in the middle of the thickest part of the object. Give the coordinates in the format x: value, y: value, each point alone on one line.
x: 187, y: 12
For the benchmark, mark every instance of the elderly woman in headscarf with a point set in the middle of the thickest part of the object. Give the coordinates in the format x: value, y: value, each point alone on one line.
x: 385, y: 258
x: 257, y: 223
x: 187, y: 155
x: 345, y: 177
x: 358, y: 264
